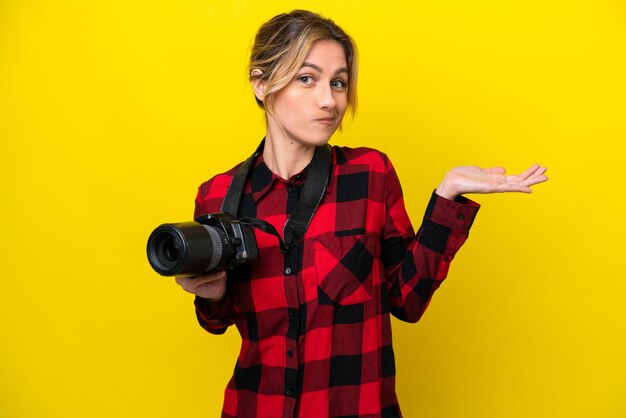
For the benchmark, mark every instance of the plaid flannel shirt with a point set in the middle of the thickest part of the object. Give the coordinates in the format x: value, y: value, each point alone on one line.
x: 314, y: 322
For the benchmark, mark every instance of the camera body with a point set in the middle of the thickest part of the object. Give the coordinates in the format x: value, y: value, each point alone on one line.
x: 213, y: 242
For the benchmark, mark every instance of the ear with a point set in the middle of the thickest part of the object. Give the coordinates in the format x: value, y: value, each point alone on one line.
x: 258, y: 84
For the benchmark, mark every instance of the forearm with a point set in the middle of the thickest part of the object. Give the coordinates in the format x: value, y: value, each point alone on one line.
x: 413, y: 279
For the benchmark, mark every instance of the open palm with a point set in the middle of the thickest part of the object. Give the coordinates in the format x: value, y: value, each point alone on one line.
x: 472, y: 179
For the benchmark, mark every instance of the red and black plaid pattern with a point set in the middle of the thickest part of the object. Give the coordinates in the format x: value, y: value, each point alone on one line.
x: 314, y: 322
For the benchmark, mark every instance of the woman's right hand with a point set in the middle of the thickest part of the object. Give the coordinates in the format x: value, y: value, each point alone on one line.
x: 211, y: 286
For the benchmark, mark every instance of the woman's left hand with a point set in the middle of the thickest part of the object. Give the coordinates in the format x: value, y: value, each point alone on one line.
x: 471, y: 179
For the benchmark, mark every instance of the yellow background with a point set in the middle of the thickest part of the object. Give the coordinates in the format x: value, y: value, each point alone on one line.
x: 112, y: 113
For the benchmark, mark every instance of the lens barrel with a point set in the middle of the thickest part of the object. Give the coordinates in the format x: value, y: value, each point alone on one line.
x: 187, y: 249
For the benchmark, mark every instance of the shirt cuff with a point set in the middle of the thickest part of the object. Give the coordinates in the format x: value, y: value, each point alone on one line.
x: 212, y: 315
x: 456, y: 214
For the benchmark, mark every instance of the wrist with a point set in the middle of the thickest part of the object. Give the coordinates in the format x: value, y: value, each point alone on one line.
x: 447, y: 191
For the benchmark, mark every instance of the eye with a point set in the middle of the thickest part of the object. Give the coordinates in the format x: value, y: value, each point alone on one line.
x: 339, y: 84
x: 306, y: 79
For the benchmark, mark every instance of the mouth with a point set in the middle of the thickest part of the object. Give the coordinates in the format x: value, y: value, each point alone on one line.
x: 326, y: 121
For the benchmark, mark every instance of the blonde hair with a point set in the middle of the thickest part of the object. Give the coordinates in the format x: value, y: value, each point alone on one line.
x: 282, y: 44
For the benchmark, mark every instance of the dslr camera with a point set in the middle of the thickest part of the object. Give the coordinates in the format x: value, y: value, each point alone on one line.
x: 214, y: 242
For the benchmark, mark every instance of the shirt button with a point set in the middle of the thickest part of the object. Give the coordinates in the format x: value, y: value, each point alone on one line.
x: 292, y: 312
x: 290, y: 189
x: 288, y: 392
x: 288, y: 270
x: 289, y: 353
x: 460, y: 216
x: 446, y: 259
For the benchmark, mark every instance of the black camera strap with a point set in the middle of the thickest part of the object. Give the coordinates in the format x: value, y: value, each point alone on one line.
x: 314, y: 188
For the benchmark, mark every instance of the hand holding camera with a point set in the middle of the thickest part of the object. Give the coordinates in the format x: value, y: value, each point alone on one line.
x: 211, y: 286
x: 214, y: 242
x: 197, y: 253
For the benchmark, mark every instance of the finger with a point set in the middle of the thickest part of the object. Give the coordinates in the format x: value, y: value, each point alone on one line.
x: 538, y: 175
x: 529, y: 172
x: 518, y: 188
x: 509, y: 187
x: 186, y: 283
x: 534, y: 180
x: 539, y: 172
x: 210, y: 277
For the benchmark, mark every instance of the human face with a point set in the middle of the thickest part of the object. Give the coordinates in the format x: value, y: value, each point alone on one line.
x: 310, y: 108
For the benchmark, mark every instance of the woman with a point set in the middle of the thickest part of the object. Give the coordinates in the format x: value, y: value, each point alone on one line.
x: 314, y: 317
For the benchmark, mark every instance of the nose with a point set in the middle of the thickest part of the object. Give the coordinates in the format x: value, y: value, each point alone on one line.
x: 325, y: 98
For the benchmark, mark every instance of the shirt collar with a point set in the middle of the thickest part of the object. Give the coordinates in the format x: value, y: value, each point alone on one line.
x: 262, y: 179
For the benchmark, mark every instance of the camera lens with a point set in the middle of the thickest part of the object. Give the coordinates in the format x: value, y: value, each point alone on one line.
x: 165, y: 248
x: 171, y: 249
x: 187, y: 249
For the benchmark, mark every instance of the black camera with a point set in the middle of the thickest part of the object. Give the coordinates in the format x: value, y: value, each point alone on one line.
x: 214, y: 242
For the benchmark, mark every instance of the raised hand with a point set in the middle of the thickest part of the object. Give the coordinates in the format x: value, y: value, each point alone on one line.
x: 472, y: 179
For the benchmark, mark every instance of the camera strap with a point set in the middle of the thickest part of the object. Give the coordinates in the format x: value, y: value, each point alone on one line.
x: 314, y: 188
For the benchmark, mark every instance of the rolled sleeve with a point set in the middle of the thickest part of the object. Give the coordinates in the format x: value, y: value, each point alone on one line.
x: 214, y: 319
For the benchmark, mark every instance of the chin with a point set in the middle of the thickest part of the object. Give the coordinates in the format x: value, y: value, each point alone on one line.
x: 321, y: 140
x: 312, y: 138
x: 318, y: 142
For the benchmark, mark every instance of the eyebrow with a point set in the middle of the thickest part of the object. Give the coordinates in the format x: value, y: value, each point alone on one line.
x: 319, y: 70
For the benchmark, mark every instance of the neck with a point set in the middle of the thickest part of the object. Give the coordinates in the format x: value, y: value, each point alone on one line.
x: 284, y: 157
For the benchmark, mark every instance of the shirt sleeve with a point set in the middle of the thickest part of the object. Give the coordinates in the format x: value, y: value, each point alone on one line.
x: 214, y: 319
x: 416, y: 264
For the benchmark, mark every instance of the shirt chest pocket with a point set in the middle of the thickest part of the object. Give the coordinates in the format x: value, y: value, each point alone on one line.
x: 343, y: 267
